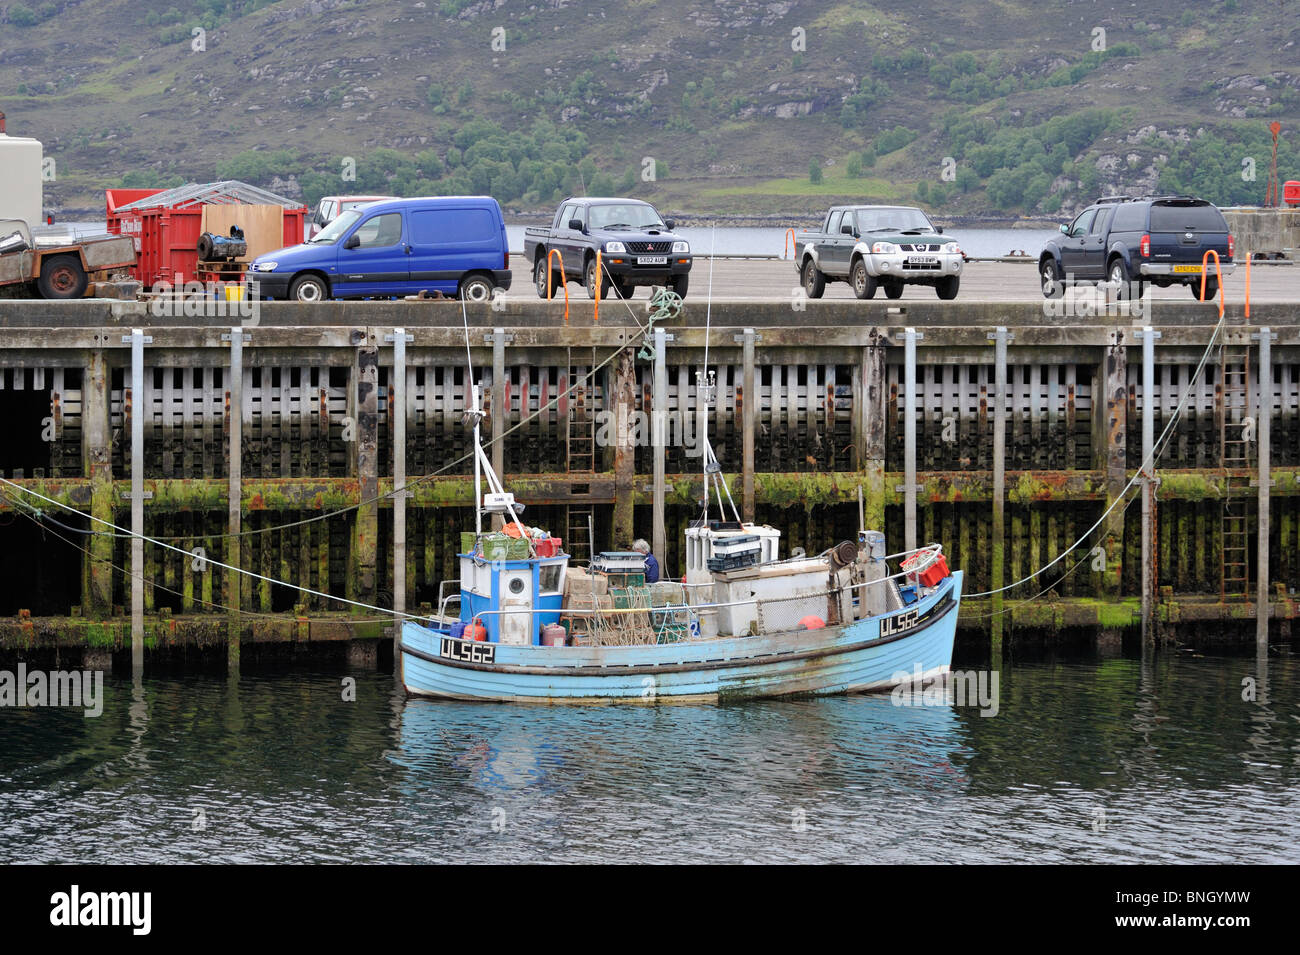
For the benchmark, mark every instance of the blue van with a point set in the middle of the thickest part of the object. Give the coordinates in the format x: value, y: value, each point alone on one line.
x: 450, y: 244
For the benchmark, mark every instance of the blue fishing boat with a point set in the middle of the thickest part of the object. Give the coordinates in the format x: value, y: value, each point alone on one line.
x: 741, y: 623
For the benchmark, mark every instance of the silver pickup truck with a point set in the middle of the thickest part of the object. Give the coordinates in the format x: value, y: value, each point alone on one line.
x: 889, y: 247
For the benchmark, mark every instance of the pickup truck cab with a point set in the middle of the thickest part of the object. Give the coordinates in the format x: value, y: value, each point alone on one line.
x: 450, y: 244
x: 636, y: 247
x: 878, y: 246
x: 1129, y: 241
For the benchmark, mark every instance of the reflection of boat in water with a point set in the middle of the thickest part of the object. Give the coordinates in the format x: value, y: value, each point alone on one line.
x: 742, y: 623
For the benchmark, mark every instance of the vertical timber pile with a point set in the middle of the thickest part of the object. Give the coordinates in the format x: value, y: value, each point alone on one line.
x: 98, y: 458
x: 397, y: 409
x: 235, y: 399
x: 624, y: 531
x: 1263, y: 431
x: 1149, y: 483
x: 1112, y: 448
x: 909, y: 439
x: 749, y: 411
x: 137, y: 499
x: 869, y: 427
x: 365, y: 387
x: 499, y: 424
x: 999, y: 490
x: 659, y: 434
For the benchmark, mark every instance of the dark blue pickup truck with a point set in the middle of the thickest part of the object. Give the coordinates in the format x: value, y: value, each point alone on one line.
x: 1129, y: 241
x: 636, y: 247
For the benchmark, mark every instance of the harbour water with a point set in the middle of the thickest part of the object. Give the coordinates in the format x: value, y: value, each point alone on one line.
x: 1086, y: 760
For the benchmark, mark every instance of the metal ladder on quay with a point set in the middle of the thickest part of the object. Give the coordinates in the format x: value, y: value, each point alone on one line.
x: 1234, y: 455
x: 580, y: 450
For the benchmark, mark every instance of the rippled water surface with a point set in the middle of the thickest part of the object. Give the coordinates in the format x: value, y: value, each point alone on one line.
x: 1101, y: 761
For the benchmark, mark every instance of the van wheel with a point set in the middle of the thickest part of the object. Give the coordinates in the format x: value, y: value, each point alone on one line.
x: 1051, y: 279
x: 1211, y: 290
x: 309, y: 288
x: 476, y: 288
x: 591, y: 277
x: 62, y: 277
x: 947, y: 287
x: 864, y: 283
x: 814, y: 282
x: 539, y: 279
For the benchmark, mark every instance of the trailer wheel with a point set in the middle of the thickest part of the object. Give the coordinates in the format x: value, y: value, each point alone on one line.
x: 62, y: 277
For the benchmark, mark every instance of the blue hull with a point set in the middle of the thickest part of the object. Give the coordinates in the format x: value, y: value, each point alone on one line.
x: 869, y: 655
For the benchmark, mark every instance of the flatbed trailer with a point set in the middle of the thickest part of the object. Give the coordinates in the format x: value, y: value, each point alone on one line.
x: 61, y: 271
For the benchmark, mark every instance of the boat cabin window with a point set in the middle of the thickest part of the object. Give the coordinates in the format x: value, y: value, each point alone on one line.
x: 549, y: 577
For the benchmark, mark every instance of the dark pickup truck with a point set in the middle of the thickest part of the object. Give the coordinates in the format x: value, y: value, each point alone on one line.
x: 1128, y: 241
x: 636, y: 247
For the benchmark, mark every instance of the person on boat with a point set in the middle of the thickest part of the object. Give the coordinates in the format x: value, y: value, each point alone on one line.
x: 651, y: 565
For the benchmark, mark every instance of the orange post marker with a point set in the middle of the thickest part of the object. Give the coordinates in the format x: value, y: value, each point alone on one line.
x: 549, y: 273
x: 789, y: 241
x: 1205, y: 268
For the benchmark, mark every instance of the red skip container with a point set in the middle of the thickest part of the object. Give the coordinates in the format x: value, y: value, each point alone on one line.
x: 1291, y: 193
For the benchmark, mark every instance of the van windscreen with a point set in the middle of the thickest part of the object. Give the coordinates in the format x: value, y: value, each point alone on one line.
x: 1186, y: 217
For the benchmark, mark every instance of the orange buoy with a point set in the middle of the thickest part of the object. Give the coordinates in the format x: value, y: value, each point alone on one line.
x: 812, y: 622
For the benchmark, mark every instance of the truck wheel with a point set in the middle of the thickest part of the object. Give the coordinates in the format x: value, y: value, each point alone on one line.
x: 590, y: 274
x: 539, y: 279
x: 864, y: 283
x: 1051, y: 279
x: 814, y: 282
x: 309, y: 288
x: 1118, y: 276
x: 476, y: 288
x: 680, y: 284
x: 893, y: 289
x: 1211, y: 290
x: 947, y: 287
x: 62, y: 277
x: 624, y: 290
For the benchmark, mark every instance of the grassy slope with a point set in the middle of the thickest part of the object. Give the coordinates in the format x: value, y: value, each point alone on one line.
x: 336, y: 78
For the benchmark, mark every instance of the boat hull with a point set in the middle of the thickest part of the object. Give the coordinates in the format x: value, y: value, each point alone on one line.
x: 869, y: 655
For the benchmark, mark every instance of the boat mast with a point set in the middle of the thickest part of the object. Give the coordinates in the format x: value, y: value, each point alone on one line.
x: 704, y: 385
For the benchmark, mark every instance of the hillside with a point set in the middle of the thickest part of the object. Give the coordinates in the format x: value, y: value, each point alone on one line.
x: 529, y: 101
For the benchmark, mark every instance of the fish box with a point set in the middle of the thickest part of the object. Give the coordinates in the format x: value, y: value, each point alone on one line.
x: 468, y: 541
x: 932, y: 575
x: 735, y: 546
x: 619, y: 561
x: 496, y: 547
x: 547, y: 546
